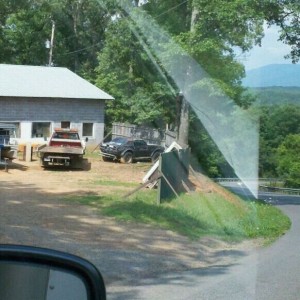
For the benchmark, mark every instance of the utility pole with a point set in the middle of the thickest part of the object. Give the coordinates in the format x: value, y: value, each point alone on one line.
x: 51, y: 44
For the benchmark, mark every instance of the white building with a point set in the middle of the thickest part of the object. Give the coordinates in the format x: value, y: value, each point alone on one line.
x: 38, y: 99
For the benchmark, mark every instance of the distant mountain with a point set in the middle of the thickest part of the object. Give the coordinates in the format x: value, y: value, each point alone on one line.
x: 284, y: 75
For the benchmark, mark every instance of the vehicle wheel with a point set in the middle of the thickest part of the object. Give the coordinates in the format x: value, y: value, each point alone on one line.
x: 45, y: 164
x: 106, y: 158
x: 77, y: 163
x: 155, y: 157
x: 127, y: 158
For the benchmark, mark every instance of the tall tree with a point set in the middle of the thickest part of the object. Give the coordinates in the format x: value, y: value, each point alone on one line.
x: 80, y: 26
x: 127, y: 72
x: 203, y: 37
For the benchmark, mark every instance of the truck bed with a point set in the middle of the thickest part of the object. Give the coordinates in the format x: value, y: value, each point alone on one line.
x: 61, y: 150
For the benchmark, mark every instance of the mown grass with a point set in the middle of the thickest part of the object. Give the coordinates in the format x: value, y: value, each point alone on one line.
x: 92, y: 152
x: 195, y: 215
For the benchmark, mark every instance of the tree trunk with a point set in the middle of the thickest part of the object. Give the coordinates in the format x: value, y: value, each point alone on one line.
x: 183, y: 130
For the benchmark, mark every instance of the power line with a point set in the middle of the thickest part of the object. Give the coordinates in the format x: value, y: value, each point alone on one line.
x: 82, y: 49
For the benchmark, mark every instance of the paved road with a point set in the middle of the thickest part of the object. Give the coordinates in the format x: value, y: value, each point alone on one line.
x: 268, y: 273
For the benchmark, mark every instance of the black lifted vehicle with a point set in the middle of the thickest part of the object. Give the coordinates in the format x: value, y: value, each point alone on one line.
x: 129, y: 150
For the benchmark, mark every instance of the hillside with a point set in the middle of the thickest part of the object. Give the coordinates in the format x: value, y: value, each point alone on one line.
x: 284, y: 75
x: 277, y: 95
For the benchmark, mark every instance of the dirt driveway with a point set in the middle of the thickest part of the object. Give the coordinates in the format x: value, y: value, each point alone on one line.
x: 33, y: 214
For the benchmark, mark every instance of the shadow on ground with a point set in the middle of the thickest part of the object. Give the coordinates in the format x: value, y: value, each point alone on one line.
x: 124, y: 253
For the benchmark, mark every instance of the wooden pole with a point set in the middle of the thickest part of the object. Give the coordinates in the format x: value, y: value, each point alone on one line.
x: 51, y: 44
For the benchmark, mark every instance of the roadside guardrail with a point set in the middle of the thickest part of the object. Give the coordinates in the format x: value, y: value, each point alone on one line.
x: 262, y: 186
x: 279, y: 190
x: 260, y: 180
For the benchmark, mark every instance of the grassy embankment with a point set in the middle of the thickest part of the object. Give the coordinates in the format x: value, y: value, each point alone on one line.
x: 198, y: 214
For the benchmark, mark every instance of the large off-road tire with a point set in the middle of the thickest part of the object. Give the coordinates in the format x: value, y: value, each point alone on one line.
x: 77, y: 163
x: 127, y: 158
x: 104, y: 158
x: 43, y: 163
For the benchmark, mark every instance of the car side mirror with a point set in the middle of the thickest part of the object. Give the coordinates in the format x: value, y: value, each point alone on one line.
x: 36, y: 273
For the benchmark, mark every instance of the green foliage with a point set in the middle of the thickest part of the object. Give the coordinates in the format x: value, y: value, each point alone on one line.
x: 113, y: 53
x: 206, y: 35
x: 206, y: 152
x: 288, y: 158
x: 125, y: 71
x: 286, y: 15
x: 130, y: 71
x: 174, y: 21
x: 21, y: 46
x: 276, y: 95
x: 276, y: 123
x: 26, y: 25
x: 207, y: 28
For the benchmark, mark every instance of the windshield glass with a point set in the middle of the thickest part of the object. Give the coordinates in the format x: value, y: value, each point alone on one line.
x: 65, y: 135
x: 208, y: 207
x: 119, y: 141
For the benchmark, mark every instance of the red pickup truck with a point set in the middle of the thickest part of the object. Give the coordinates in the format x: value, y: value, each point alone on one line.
x: 64, y: 149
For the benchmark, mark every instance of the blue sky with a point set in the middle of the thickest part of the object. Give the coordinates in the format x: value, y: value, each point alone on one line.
x: 271, y: 51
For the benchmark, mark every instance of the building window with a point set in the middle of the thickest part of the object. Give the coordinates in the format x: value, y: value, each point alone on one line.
x: 10, y: 129
x: 40, y: 129
x: 65, y: 124
x: 87, y: 129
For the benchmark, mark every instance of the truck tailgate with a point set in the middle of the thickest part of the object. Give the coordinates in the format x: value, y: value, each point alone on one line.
x: 62, y: 150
